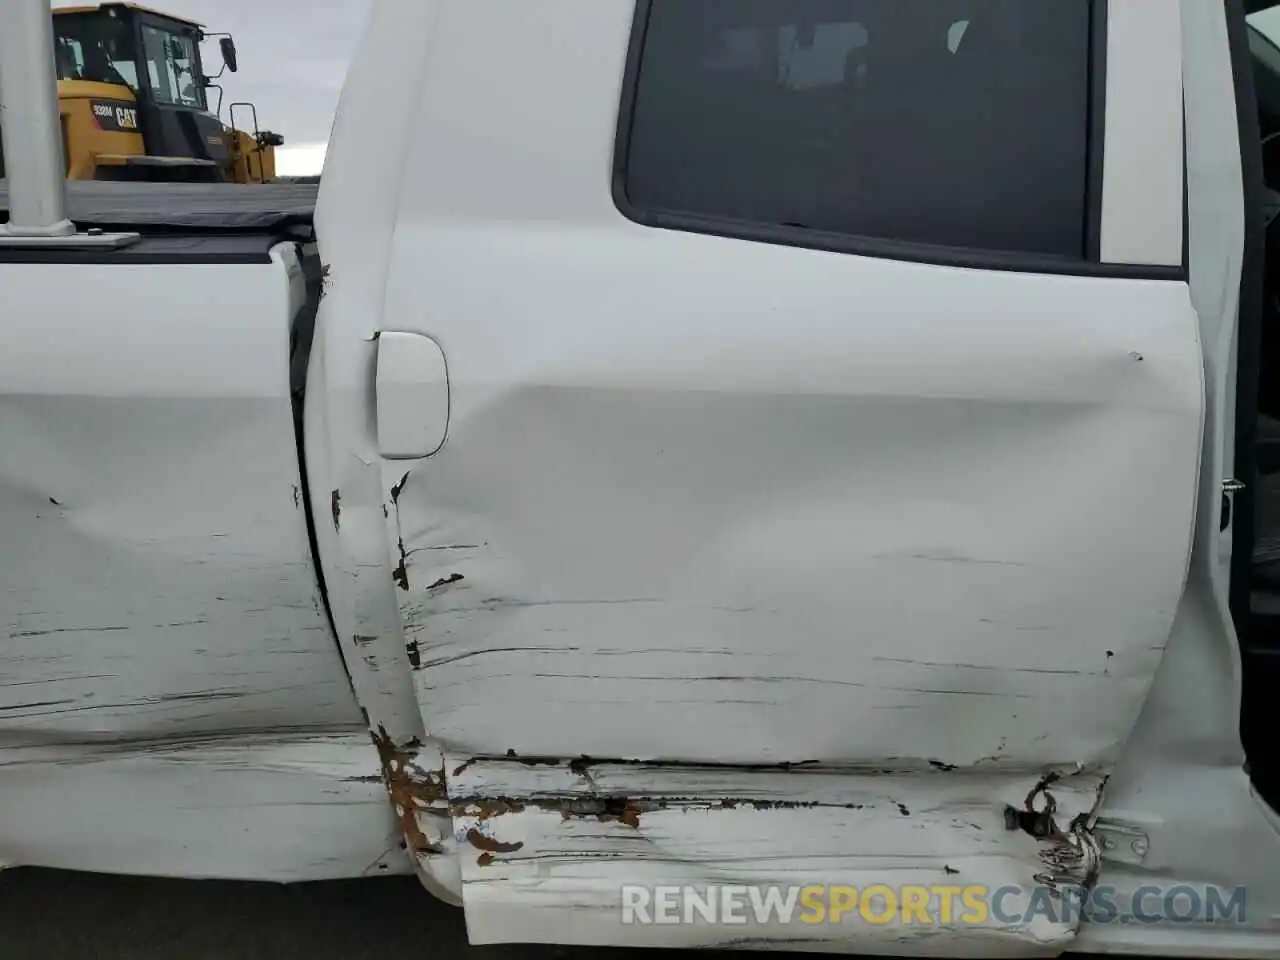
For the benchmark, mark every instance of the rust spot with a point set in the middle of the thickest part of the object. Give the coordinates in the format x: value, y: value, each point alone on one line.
x: 411, y: 788
x: 605, y: 810
x: 630, y: 815
x: 443, y: 581
x: 490, y: 845
x: 401, y: 573
x: 335, y: 507
x: 487, y: 809
x: 415, y: 658
x: 399, y: 488
x: 484, y: 859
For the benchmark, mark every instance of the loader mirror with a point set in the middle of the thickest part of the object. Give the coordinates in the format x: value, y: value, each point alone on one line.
x: 228, y: 47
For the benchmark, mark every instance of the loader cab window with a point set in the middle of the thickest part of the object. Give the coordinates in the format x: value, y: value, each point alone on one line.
x: 94, y: 47
x: 173, y: 67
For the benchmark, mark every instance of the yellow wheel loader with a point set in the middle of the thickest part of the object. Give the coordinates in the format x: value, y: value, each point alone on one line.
x: 134, y: 101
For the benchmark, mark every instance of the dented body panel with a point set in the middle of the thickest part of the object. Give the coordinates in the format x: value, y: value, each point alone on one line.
x: 159, y: 609
x: 867, y: 591
x: 574, y: 553
x: 548, y: 867
x: 721, y: 501
x: 709, y: 511
x: 156, y: 564
x: 652, y: 583
x: 274, y: 806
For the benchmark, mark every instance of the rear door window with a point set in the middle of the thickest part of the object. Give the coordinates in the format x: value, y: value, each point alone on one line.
x: 962, y: 123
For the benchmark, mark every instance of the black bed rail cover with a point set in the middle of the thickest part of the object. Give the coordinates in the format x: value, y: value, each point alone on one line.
x: 150, y: 206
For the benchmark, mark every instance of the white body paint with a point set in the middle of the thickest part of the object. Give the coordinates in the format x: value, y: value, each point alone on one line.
x: 162, y: 616
x: 700, y: 510
x: 853, y: 828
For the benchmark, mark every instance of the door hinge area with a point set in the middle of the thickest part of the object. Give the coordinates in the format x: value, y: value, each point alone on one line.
x: 1121, y: 842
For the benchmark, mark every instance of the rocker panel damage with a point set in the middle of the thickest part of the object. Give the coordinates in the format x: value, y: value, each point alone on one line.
x: 545, y: 847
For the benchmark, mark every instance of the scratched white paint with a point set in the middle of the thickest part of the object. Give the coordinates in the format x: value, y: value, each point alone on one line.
x: 274, y: 806
x: 156, y: 583
x: 156, y: 573
x: 783, y: 504
x: 710, y: 501
x: 702, y: 502
x: 562, y: 882
x: 342, y: 450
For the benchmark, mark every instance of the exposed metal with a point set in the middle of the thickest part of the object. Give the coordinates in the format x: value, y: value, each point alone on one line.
x: 547, y: 843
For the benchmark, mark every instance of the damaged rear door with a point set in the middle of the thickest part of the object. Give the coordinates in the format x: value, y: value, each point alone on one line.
x: 810, y: 507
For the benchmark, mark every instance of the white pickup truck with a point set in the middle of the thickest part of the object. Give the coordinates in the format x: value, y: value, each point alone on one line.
x: 691, y: 451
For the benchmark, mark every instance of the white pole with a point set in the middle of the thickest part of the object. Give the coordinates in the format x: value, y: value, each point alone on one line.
x: 30, y: 124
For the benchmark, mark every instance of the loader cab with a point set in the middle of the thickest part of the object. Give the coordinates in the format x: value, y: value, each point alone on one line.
x: 153, y: 62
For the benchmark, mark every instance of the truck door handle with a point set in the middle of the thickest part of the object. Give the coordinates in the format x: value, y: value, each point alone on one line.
x: 412, y: 396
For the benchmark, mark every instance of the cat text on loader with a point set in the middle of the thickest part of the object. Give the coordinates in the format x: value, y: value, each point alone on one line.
x: 133, y: 99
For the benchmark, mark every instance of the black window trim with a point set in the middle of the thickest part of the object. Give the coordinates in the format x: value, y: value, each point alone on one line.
x: 908, y: 251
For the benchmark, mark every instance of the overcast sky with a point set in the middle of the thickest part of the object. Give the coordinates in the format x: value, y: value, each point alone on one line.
x: 293, y: 56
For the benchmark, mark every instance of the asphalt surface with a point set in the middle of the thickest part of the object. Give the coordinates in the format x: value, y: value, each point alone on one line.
x: 73, y: 916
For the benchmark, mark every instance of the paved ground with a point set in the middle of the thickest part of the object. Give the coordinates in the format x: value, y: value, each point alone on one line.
x: 46, y: 915
x: 71, y: 916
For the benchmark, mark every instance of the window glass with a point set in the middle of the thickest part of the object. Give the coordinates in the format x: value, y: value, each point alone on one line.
x: 1267, y: 22
x: 955, y: 122
x: 171, y: 65
x: 69, y: 58
x: 93, y: 47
